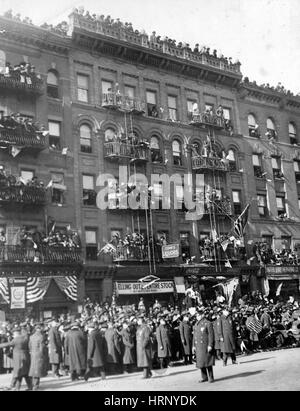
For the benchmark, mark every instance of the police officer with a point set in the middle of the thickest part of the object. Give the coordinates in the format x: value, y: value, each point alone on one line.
x: 203, y: 345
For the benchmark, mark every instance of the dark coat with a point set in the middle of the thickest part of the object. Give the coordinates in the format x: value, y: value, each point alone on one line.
x: 55, y: 346
x: 204, y: 338
x: 228, y: 335
x: 185, y: 330
x: 128, y: 342
x: 163, y: 341
x: 75, y: 346
x: 96, y: 349
x: 21, y: 357
x: 143, y: 347
x: 113, y: 346
x: 217, y: 333
x: 39, y: 355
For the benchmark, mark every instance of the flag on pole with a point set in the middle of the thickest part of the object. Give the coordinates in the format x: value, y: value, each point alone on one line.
x: 241, y: 222
x: 255, y: 325
x: 278, y: 291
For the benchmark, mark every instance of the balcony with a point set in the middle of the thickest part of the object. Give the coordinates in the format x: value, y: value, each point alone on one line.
x: 42, y: 254
x: 34, y: 86
x: 208, y: 120
x: 21, y: 138
x: 118, y: 150
x: 209, y: 163
x: 20, y: 194
x: 135, y: 253
x: 117, y: 101
x: 218, y: 207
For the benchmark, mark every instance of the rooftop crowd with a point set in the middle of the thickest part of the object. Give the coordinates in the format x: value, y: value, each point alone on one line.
x: 111, y: 339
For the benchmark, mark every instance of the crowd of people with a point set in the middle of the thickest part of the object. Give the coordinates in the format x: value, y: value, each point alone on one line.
x: 109, y: 338
x: 21, y: 125
x: 267, y: 255
x: 23, y: 72
x: 279, y: 88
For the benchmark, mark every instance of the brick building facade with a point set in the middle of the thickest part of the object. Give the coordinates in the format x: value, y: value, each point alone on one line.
x: 106, y: 82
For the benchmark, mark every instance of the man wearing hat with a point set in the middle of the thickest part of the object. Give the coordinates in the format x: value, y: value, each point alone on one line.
x: 55, y: 348
x: 75, y: 346
x: 143, y: 347
x: 128, y: 343
x: 218, y: 333
x: 21, y: 359
x: 96, y: 351
x: 227, y: 340
x: 203, y: 346
x: 113, y: 348
x: 163, y: 343
x: 185, y: 330
x: 39, y: 357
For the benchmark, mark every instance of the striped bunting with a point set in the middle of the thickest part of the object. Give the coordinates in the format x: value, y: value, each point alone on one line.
x: 68, y: 285
x: 37, y: 288
x: 4, y: 289
x: 255, y: 325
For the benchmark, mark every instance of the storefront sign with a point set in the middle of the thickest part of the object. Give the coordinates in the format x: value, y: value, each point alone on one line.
x: 17, y: 292
x: 142, y: 288
x: 282, y: 272
x: 170, y: 251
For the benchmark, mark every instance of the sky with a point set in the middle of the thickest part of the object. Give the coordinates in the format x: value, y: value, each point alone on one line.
x: 263, y: 34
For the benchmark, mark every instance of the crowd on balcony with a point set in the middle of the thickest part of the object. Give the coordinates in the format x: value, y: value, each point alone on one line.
x: 265, y: 254
x: 21, y: 125
x: 23, y: 73
x: 211, y: 116
x: 220, y: 247
x: 154, y: 39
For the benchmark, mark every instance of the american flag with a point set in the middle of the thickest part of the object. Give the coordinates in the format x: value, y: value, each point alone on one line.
x: 241, y: 222
x: 255, y: 325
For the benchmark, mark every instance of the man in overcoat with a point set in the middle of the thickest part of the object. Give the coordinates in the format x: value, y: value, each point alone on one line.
x: 186, y: 336
x: 113, y: 348
x: 55, y: 348
x: 143, y: 347
x: 128, y: 343
x: 203, y: 346
x: 218, y: 333
x: 21, y: 359
x: 39, y: 357
x: 227, y: 340
x: 96, y: 352
x: 75, y: 347
x: 163, y: 343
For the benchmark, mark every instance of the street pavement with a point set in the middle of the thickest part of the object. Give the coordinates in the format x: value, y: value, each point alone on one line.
x: 265, y: 371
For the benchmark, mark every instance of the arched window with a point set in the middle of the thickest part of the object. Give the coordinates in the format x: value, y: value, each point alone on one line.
x: 271, y: 132
x: 292, y: 133
x: 252, y: 126
x: 85, y: 138
x: 231, y: 157
x: 52, y: 84
x: 176, y: 149
x: 156, y: 156
x: 2, y: 62
x: 110, y: 135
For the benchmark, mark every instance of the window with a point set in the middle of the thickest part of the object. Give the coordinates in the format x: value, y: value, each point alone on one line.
x: 176, y: 149
x: 227, y: 114
x: 129, y: 91
x: 232, y: 160
x: 236, y: 199
x: 185, y: 245
x: 267, y: 239
x: 151, y: 104
x: 297, y: 170
x: 83, y: 88
x: 209, y: 107
x: 110, y: 135
x: 252, y: 126
x: 286, y: 242
x: 52, y: 84
x: 157, y: 195
x: 2, y: 62
x: 292, y: 133
x: 27, y: 175
x: 271, y: 132
x: 192, y: 108
x: 281, y: 208
x: 256, y: 160
x: 58, y: 188
x: 262, y: 205
x: 107, y: 86
x: 85, y: 138
x: 54, y: 134
x: 172, y: 108
x: 162, y: 237
x: 276, y: 165
x: 179, y: 194
x: 156, y: 156
x: 89, y: 194
x: 91, y: 244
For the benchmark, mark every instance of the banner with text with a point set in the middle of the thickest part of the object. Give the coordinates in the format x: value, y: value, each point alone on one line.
x: 143, y: 288
x: 17, y: 288
x: 170, y: 251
